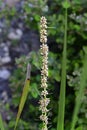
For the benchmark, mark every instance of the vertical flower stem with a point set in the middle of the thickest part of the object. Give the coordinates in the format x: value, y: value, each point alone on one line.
x: 61, y: 110
x: 44, y: 101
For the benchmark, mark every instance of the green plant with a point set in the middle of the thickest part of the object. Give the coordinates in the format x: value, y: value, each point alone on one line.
x: 83, y: 79
x: 76, y: 39
x: 24, y: 95
x: 61, y: 113
x: 1, y: 123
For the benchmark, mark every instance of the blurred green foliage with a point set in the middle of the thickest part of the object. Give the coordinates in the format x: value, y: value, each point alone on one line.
x: 77, y: 39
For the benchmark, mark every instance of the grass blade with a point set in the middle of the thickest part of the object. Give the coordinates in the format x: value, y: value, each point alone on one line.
x: 61, y: 111
x: 24, y: 96
x: 1, y: 123
x: 83, y: 79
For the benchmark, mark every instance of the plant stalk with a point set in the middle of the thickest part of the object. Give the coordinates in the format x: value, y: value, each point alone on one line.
x: 78, y: 102
x: 61, y: 110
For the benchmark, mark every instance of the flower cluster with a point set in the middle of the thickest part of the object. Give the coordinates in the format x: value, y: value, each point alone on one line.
x: 43, y: 31
x: 44, y: 101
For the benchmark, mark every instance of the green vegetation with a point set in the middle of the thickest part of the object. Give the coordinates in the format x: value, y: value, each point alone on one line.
x: 76, y: 77
x: 1, y: 123
x: 61, y: 113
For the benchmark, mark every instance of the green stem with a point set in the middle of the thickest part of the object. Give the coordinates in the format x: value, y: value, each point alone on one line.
x: 61, y: 111
x: 83, y: 79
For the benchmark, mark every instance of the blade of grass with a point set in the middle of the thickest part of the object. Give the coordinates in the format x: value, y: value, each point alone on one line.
x: 83, y: 79
x: 24, y: 96
x: 1, y: 123
x: 61, y: 111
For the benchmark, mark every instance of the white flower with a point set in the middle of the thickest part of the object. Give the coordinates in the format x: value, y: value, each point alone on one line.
x: 44, y: 101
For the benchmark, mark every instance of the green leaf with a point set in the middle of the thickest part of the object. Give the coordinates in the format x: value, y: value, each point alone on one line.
x: 82, y: 86
x: 54, y: 75
x: 85, y: 49
x: 23, y: 100
x: 37, y: 18
x: 79, y: 128
x: 61, y: 110
x: 34, y: 90
x: 77, y: 1
x: 24, y: 96
x: 66, y: 4
x: 1, y: 123
x: 27, y: 9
